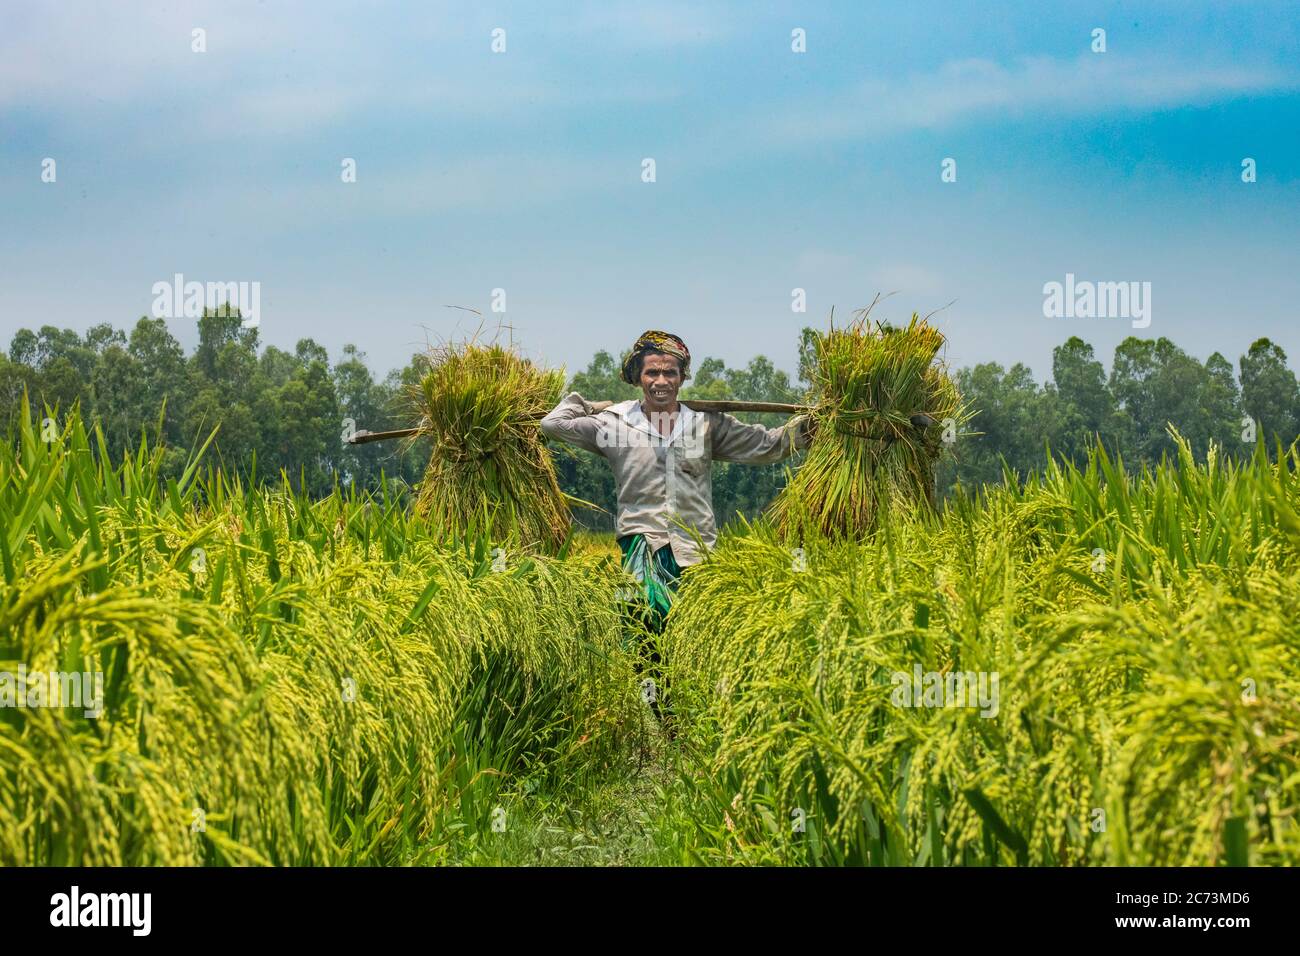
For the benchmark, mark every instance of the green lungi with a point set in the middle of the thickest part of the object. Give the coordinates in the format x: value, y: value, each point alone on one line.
x: 658, y: 572
x: 660, y: 576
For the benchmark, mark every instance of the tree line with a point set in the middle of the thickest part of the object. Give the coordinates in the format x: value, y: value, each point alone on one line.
x: 288, y: 411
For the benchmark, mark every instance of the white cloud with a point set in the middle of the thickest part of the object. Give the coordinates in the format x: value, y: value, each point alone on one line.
x: 317, y: 197
x: 289, y: 70
x: 973, y: 89
x: 68, y: 54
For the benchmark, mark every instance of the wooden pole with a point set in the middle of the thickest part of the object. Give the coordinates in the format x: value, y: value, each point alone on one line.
x: 363, y: 437
x: 699, y: 405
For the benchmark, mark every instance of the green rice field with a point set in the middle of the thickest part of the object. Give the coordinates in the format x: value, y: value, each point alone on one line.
x: 1089, y: 668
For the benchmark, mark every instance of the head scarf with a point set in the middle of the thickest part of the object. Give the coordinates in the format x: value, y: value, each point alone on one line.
x: 655, y: 341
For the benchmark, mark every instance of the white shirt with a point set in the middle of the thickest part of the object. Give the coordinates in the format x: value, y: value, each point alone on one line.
x: 665, y: 484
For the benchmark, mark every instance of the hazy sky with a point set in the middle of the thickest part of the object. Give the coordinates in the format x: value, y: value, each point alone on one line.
x: 775, y: 170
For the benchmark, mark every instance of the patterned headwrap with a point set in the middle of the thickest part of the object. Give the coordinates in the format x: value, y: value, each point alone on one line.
x: 655, y: 341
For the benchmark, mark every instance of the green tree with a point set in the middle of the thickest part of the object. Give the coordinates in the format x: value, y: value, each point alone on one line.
x: 1269, y: 393
x: 807, y: 356
x: 229, y: 391
x: 119, y: 399
x: 22, y: 348
x: 601, y: 381
x: 1009, y: 414
x: 1085, y: 409
x: 277, y: 366
x: 1221, y: 400
x: 1156, y: 384
x: 369, y: 406
x: 15, y: 379
x: 63, y: 365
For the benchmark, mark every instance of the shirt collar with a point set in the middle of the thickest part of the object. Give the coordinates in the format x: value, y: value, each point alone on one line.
x: 630, y: 411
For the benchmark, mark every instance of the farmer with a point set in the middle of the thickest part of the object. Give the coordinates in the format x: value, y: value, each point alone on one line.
x: 661, y: 452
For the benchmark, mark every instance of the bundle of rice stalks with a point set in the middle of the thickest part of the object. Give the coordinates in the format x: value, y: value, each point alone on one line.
x: 883, y: 403
x: 489, y: 469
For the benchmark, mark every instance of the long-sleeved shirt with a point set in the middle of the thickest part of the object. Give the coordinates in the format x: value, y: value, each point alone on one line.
x: 664, y: 480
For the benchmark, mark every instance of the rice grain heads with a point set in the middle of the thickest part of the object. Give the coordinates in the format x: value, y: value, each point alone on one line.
x: 277, y: 679
x: 870, y: 381
x: 1146, y: 715
x: 489, y: 469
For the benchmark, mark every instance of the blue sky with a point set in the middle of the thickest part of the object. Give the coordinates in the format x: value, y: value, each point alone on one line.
x: 775, y: 170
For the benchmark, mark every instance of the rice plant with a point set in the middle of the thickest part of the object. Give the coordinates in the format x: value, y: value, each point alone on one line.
x: 1143, y: 630
x: 342, y: 681
x: 489, y: 468
x: 286, y: 681
x: 883, y: 402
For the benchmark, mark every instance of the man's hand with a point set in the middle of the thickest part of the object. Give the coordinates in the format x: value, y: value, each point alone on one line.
x: 808, y: 428
x: 597, y: 407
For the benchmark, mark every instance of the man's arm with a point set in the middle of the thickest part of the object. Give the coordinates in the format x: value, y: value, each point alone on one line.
x: 733, y: 440
x: 574, y: 421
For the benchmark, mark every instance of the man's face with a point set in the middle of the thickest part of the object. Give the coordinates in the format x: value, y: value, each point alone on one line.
x: 661, y: 377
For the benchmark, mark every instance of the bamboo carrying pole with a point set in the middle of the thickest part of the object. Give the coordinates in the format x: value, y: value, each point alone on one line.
x: 699, y: 405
